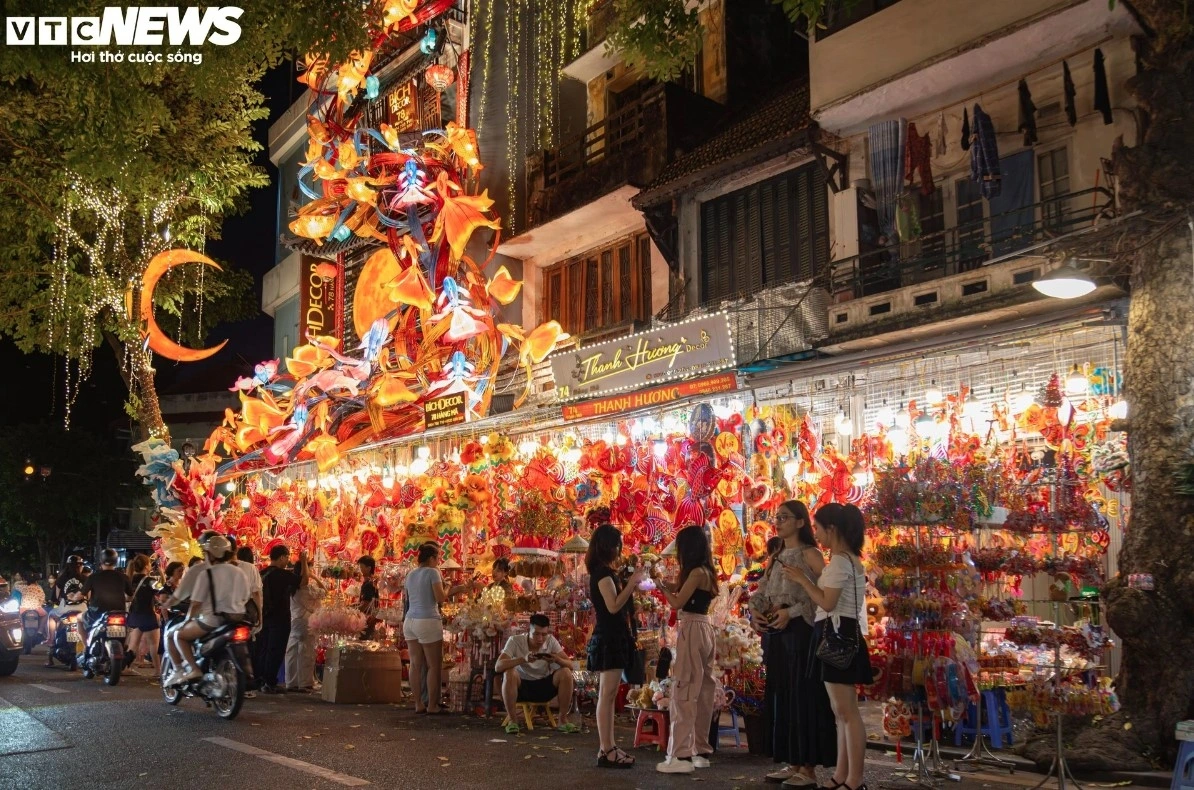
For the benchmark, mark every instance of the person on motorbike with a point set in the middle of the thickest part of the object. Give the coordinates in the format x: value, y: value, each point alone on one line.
x: 33, y: 599
x: 219, y: 593
x: 68, y: 589
x: 107, y: 590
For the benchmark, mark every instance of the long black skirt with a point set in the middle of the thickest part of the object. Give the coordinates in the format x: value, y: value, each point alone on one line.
x: 801, y: 722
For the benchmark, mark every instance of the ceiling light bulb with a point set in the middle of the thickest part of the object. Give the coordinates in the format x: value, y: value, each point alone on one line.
x: 791, y: 468
x: 424, y: 452
x: 312, y: 483
x: 933, y: 395
x: 620, y: 439
x: 974, y: 409
x: 721, y: 411
x: 902, y: 418
x: 387, y: 482
x: 528, y: 447
x: 1065, y: 282
x: 608, y: 437
x: 1118, y: 410
x: 842, y: 424
x: 401, y: 470
x: 885, y: 417
x: 898, y: 438
x: 245, y: 503
x: 230, y: 486
x: 1023, y: 401
x: 659, y: 447
x: 1076, y: 383
x: 419, y: 466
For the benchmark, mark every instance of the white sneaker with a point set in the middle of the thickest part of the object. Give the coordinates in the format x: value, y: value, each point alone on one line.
x: 782, y: 775
x: 194, y: 674
x: 174, y: 679
x: 671, y: 766
x: 800, y: 780
x: 700, y: 761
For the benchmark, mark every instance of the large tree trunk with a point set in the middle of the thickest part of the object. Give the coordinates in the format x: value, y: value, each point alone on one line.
x: 1156, y: 629
x: 137, y: 372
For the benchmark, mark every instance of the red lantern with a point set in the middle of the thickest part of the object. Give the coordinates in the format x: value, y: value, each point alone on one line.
x: 440, y: 77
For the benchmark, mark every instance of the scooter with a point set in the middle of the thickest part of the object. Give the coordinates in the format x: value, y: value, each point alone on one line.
x: 66, y: 638
x: 223, y: 658
x: 31, y: 623
x: 104, y: 654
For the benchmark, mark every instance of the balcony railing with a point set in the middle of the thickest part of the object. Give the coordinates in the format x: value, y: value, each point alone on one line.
x: 970, y: 245
x: 628, y: 146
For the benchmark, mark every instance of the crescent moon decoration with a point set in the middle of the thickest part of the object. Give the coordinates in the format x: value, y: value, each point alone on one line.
x: 158, y: 342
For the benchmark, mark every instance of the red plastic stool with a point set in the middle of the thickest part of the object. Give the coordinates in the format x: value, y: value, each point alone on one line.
x: 652, y: 727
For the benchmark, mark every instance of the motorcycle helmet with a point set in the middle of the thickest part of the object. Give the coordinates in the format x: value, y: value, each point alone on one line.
x: 217, y: 546
x: 109, y: 557
x: 74, y: 560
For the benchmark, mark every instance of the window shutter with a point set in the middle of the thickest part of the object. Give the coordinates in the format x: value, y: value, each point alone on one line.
x: 768, y: 223
x: 819, y: 247
x: 643, y: 308
x: 590, y: 294
x: 607, y: 288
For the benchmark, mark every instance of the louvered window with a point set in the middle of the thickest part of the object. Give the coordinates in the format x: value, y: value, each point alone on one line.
x: 770, y: 233
x: 600, y: 288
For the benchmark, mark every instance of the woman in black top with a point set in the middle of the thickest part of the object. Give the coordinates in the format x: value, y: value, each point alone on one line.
x: 693, y: 684
x: 142, y: 617
x: 613, y: 635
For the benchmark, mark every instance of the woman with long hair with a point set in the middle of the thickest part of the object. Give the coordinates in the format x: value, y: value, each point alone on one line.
x: 801, y: 720
x: 423, y: 627
x: 693, y: 684
x: 840, y: 596
x: 144, y: 628
x: 612, y: 642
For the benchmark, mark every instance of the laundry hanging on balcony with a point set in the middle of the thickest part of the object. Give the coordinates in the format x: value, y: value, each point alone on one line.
x: 1071, y: 112
x: 965, y: 130
x: 918, y: 158
x: 1027, y: 116
x: 1102, y: 96
x: 885, y: 141
x: 984, y: 155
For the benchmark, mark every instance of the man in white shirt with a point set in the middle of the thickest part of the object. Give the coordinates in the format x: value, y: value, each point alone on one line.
x: 534, y: 669
x: 220, y: 592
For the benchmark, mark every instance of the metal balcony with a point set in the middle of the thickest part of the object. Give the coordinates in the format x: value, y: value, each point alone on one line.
x: 970, y: 245
x: 627, y: 147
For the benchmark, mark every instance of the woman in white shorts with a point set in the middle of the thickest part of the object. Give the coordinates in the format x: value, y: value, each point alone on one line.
x: 424, y: 628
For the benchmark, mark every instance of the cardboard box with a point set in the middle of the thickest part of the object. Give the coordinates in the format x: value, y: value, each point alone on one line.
x: 359, y: 676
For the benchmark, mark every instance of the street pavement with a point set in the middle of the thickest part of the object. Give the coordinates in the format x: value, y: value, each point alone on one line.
x: 58, y: 730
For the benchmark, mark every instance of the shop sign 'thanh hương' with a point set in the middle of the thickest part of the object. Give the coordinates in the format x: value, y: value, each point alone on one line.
x: 684, y: 350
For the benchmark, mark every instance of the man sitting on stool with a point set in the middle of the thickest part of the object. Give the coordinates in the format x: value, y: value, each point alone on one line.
x: 534, y: 669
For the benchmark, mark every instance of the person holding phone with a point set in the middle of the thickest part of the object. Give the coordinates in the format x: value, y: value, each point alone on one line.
x: 802, y: 726
x: 534, y: 668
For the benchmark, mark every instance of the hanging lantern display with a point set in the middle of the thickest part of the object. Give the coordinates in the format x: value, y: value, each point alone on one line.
x: 440, y: 77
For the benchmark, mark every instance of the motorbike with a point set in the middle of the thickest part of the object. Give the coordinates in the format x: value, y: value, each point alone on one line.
x: 66, y: 639
x: 31, y: 623
x: 223, y: 658
x: 104, y: 650
x: 12, y: 636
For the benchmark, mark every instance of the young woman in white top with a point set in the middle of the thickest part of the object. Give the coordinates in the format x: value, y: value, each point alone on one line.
x: 840, y: 596
x: 423, y: 627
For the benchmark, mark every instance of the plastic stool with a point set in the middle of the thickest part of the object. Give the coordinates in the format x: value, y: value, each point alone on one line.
x: 530, y: 709
x: 731, y: 730
x: 658, y: 731
x: 996, y: 725
x: 1183, y: 769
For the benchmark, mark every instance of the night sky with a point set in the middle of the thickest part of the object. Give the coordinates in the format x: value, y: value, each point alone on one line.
x: 247, y: 243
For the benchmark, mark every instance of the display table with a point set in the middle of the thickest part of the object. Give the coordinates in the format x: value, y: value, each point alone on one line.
x: 361, y: 676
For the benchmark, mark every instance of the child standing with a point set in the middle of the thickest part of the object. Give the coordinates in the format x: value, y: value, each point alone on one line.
x: 693, y: 685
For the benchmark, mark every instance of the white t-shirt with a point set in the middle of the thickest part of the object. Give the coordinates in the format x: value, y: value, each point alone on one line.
x: 186, y: 585
x: 252, y: 575
x: 232, y: 590
x: 519, y: 646
x: 839, y: 576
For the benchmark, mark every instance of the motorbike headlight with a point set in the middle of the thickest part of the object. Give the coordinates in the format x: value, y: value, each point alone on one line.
x: 9, y: 606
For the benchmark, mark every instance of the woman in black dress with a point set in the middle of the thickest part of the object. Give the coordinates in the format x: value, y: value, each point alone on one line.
x: 840, y: 596
x: 612, y: 643
x: 801, y: 720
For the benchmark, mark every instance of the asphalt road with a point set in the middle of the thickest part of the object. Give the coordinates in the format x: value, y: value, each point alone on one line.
x: 58, y: 730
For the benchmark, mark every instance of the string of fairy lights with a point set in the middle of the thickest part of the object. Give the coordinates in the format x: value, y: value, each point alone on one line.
x: 94, y: 262
x: 541, y: 37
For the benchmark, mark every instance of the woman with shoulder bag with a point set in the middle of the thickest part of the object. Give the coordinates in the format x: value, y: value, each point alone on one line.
x: 840, y: 656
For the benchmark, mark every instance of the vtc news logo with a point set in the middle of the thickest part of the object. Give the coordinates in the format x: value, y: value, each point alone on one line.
x: 128, y: 26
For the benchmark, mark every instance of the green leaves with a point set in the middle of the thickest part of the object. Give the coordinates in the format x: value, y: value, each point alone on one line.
x: 661, y: 37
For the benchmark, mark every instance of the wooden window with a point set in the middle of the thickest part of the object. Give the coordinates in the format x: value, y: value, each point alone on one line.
x: 770, y: 233
x: 971, y: 232
x: 1053, y: 172
x: 600, y: 288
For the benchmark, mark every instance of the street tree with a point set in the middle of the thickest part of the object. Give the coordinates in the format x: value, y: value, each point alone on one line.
x: 103, y: 164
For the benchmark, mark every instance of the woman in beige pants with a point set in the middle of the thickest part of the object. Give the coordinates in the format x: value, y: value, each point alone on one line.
x: 693, y: 686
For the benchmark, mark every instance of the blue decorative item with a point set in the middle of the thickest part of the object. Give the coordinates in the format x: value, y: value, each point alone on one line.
x: 430, y: 43
x: 372, y: 87
x: 341, y: 233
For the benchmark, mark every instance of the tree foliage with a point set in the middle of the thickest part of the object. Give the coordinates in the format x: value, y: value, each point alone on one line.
x: 661, y: 37
x: 124, y: 156
x: 41, y: 517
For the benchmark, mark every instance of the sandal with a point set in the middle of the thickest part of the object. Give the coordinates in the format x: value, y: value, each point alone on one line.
x: 512, y: 728
x: 568, y: 727
x: 620, y: 760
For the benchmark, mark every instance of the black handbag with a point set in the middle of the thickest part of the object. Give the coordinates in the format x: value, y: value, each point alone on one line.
x: 837, y: 648
x: 636, y: 673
